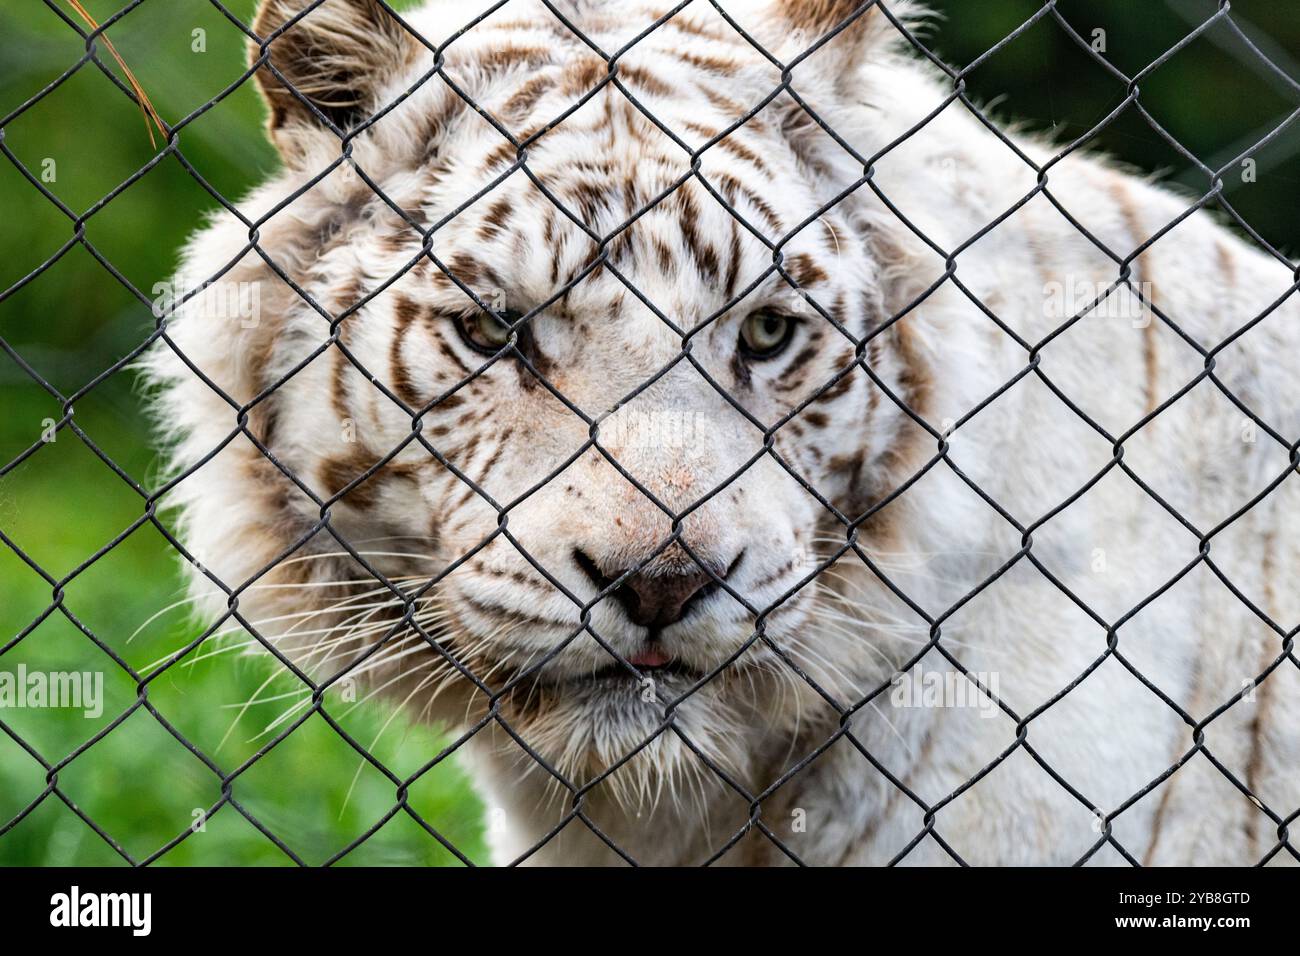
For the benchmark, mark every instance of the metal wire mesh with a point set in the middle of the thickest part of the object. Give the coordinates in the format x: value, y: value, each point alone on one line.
x: 94, y: 59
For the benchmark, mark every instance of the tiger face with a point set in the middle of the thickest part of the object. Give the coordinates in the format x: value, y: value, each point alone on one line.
x: 575, y: 362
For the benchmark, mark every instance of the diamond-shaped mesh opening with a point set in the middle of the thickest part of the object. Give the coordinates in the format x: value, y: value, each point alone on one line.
x: 1004, y: 449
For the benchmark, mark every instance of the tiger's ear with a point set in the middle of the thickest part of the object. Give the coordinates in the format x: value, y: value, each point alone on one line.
x: 335, y: 57
x: 855, y: 29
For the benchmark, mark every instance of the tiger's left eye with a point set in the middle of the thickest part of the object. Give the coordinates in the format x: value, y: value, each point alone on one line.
x: 488, y: 332
x: 765, y: 334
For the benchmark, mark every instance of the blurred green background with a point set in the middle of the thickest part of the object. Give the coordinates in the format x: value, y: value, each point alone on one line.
x: 62, y: 505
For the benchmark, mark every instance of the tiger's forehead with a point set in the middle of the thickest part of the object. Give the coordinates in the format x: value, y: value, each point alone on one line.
x: 535, y: 33
x: 666, y: 163
x: 528, y: 70
x: 689, y: 244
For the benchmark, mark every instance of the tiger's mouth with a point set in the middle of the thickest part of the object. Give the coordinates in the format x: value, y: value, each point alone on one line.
x: 670, y: 667
x: 659, y: 682
x: 616, y: 676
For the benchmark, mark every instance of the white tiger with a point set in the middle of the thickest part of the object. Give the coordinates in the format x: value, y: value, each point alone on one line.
x: 810, y: 470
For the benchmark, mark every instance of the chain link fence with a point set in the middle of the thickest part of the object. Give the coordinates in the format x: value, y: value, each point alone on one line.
x: 101, y: 59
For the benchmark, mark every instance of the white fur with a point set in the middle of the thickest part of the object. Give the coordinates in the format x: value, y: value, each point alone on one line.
x: 1108, y: 738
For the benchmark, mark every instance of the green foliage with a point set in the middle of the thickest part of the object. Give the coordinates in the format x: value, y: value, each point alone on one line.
x: 63, y: 504
x: 1215, y: 96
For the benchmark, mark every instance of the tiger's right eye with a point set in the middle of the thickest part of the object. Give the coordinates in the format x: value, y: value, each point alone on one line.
x: 487, y: 332
x: 765, y: 334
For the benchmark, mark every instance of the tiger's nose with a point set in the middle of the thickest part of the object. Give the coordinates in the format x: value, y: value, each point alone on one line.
x: 651, y: 600
x: 657, y: 601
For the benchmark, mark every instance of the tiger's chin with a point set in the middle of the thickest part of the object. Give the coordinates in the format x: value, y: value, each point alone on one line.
x: 641, y: 741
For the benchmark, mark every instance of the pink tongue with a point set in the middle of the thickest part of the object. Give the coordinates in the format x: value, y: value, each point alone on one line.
x: 650, y: 657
